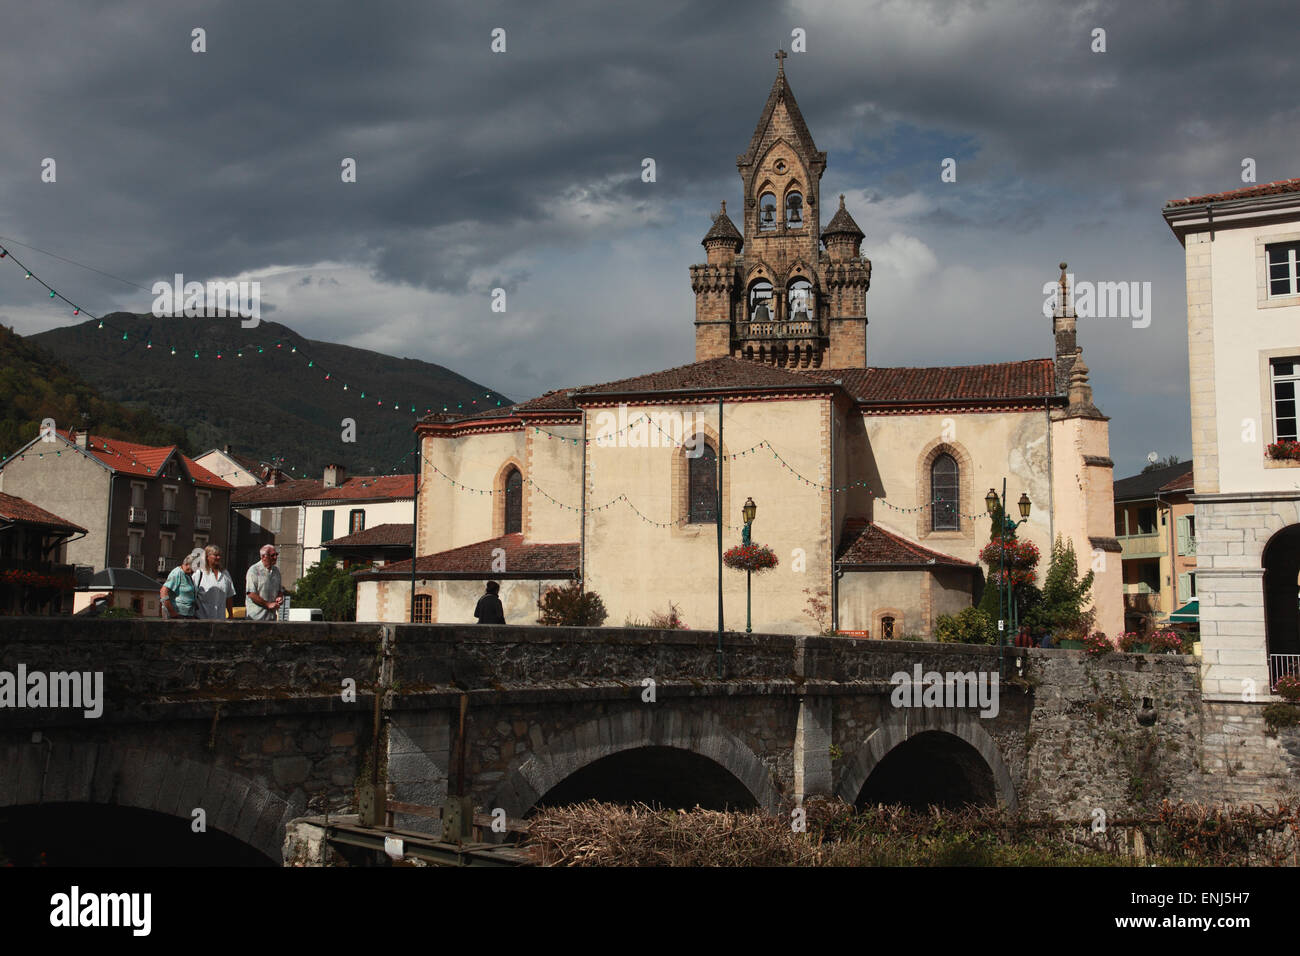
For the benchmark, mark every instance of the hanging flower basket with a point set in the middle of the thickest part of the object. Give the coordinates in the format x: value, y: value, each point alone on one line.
x: 37, y: 579
x: 1018, y: 554
x: 750, y: 557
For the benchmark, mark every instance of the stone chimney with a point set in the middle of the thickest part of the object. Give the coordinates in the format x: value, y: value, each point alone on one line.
x: 80, y: 438
x: 227, y: 449
x: 1064, y: 329
x: 335, y: 475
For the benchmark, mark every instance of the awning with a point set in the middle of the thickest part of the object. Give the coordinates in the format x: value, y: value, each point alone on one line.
x: 1189, y: 612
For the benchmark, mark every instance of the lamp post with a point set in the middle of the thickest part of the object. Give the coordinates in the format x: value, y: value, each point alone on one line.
x: 1006, y: 595
x: 747, y: 512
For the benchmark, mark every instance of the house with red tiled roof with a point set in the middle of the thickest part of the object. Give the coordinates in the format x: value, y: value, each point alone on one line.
x: 348, y: 506
x: 143, y: 507
x: 35, y: 577
x: 869, y: 481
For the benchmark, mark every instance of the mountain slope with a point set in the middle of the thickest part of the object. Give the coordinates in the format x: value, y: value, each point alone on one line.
x: 270, y: 403
x: 35, y: 385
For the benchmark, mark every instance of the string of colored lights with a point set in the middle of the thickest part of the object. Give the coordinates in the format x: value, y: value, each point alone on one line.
x: 221, y: 352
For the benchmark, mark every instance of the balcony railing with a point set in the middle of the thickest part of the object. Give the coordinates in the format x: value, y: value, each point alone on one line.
x: 778, y: 330
x: 162, y: 564
x: 203, y: 522
x: 168, y: 518
x: 1147, y: 602
x: 1280, y: 665
x: 137, y: 515
x: 1142, y: 545
x: 135, y: 562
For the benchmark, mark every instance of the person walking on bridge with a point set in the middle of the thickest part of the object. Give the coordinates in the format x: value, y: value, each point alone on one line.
x: 489, y: 610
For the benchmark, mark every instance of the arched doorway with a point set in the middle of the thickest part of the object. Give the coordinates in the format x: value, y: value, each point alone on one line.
x: 931, y: 769
x: 1281, y: 560
x: 660, y: 776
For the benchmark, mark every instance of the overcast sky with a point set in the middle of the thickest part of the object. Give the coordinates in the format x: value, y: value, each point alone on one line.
x: 522, y: 169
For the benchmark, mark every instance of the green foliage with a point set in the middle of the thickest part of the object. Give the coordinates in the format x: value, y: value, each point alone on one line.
x: 1162, y: 463
x: 330, y: 588
x: 34, y: 385
x: 969, y: 626
x: 571, y: 606
x: 124, y: 612
x: 1060, y: 609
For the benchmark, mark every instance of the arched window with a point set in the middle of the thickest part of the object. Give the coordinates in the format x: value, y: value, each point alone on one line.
x: 886, y: 628
x: 794, y: 209
x: 703, y: 487
x: 944, y: 494
x: 514, y: 502
x: 760, y: 302
x: 423, y: 609
x: 801, y: 300
x: 767, y: 211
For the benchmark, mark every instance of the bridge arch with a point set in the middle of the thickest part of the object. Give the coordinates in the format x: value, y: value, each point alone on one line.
x: 534, y: 775
x: 102, y: 774
x: 939, y: 731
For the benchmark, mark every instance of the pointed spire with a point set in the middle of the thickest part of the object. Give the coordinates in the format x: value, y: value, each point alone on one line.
x: 724, y: 229
x: 1064, y: 306
x: 780, y: 62
x: 803, y: 140
x: 842, y: 224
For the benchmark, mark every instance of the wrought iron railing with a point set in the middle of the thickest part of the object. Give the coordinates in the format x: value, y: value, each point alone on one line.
x: 1280, y: 665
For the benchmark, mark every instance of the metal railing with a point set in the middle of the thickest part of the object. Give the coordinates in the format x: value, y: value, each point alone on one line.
x: 137, y: 515
x: 162, y: 564
x: 203, y: 522
x: 778, y: 330
x: 1279, y: 665
x: 135, y: 561
x: 169, y: 518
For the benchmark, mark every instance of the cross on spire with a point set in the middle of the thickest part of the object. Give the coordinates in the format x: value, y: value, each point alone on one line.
x: 780, y: 60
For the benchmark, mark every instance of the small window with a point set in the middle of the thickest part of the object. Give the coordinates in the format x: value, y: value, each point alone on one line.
x: 275, y: 520
x: 356, y: 520
x: 944, y: 493
x: 137, y: 494
x: 767, y: 211
x: 703, y: 487
x: 1150, y: 576
x: 165, y: 545
x: 202, y: 501
x: 1120, y: 530
x: 886, y: 628
x: 514, y: 502
x: 423, y: 609
x: 1282, y: 271
x: 135, y: 543
x: 327, y: 525
x: 200, y: 541
x: 1286, y: 378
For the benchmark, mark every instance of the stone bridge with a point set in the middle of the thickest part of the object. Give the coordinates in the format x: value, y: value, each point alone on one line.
x: 256, y: 724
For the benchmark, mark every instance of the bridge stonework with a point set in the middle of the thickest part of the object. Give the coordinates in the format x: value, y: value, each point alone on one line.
x: 250, y: 722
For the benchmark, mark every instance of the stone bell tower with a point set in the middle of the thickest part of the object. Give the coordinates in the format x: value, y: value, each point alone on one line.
x: 785, y: 301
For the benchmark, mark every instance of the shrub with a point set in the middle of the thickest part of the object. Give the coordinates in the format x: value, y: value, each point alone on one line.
x: 327, y: 586
x: 571, y: 606
x: 1288, y: 688
x: 1060, y: 607
x: 119, y: 612
x: 1097, y: 643
x: 968, y: 626
x: 1129, y: 641
x: 670, y: 621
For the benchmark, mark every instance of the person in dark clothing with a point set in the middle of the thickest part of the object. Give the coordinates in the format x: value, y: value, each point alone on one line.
x: 489, y: 610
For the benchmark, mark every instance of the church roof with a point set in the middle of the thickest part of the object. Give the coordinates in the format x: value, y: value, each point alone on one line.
x: 1033, y: 378
x: 780, y: 92
x: 867, y: 544
x: 841, y: 223
x: 723, y: 228
x: 711, y: 374
x: 524, y: 559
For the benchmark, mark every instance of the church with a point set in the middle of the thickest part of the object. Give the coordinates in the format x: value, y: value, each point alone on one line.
x: 868, y: 482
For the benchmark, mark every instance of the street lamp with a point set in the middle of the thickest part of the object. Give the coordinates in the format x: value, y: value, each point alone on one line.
x: 1006, y: 596
x: 748, y: 512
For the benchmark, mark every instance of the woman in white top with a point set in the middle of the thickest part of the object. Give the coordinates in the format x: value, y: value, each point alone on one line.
x: 216, y: 592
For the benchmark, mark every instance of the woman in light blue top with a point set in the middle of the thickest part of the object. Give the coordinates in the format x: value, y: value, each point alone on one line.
x: 178, y: 594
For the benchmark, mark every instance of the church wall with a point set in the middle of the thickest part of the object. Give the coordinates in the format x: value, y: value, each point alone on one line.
x: 987, y: 445
x: 451, y: 517
x: 866, y: 595
x: 637, y: 567
x: 555, y: 467
x: 1085, y: 508
x: 389, y: 601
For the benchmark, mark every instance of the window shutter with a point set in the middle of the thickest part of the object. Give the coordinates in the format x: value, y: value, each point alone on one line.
x: 1182, y: 535
x: 327, y: 525
x: 1184, y: 586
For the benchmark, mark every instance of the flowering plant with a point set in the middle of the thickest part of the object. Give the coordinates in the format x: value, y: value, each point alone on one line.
x: 1284, y: 449
x: 1288, y: 687
x: 1166, y: 642
x: 1129, y: 641
x: 1097, y: 643
x: 1017, y: 553
x: 37, y: 579
x: 749, y: 557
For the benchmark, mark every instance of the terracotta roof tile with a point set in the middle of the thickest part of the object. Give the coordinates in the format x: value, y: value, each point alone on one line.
x: 521, y: 557
x: 869, y: 544
x: 711, y: 373
x: 282, y: 492
x: 131, y: 458
x: 1006, y: 380
x: 381, y: 535
x: 13, y: 508
x: 372, y: 486
x: 1246, y: 192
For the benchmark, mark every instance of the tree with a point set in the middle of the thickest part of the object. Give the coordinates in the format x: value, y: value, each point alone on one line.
x: 571, y: 606
x: 1162, y: 463
x: 330, y: 588
x: 1061, y: 607
x: 1018, y: 563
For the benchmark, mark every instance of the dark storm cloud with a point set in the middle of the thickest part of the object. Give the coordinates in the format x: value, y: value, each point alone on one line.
x: 478, y: 170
